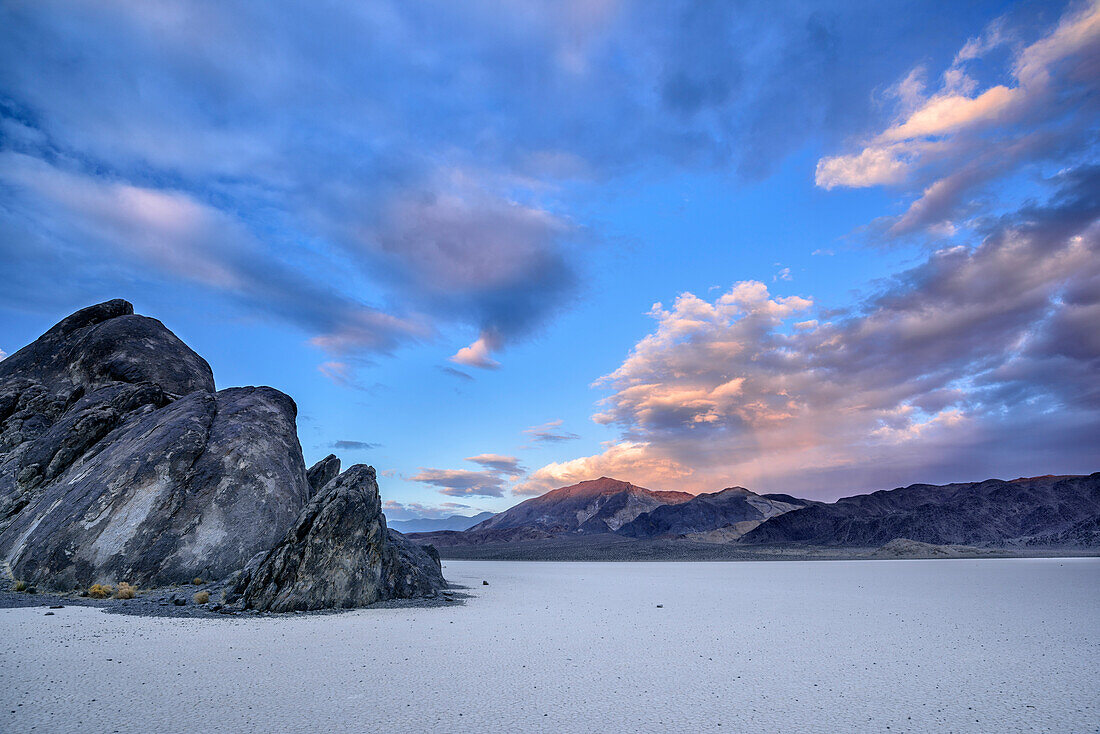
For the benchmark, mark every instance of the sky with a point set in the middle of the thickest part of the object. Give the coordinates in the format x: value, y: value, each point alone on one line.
x: 494, y: 248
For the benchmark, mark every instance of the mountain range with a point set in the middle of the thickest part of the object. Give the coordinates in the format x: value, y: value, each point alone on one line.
x: 1047, y: 510
x: 1038, y: 512
x: 429, y: 524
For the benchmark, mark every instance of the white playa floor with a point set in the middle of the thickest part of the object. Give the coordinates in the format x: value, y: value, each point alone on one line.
x: 926, y: 646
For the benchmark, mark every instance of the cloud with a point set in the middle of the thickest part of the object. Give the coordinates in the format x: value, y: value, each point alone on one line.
x: 948, y: 145
x: 632, y: 461
x: 550, y: 432
x: 3, y: 354
x: 417, y: 511
x: 437, y: 182
x: 498, y: 463
x: 870, y: 167
x: 354, y: 445
x: 979, y: 361
x: 477, y: 354
x: 456, y: 373
x: 499, y: 470
x: 175, y: 235
x: 462, y: 483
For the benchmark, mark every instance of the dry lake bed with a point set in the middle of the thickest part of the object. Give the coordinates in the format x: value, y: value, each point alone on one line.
x: 992, y: 645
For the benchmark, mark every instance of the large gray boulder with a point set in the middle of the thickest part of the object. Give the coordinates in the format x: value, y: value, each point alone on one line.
x: 120, y: 462
x: 339, y: 553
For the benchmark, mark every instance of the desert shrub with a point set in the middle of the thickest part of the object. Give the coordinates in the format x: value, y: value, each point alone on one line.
x: 201, y: 597
x: 197, y: 581
x: 20, y: 586
x: 125, y: 591
x: 99, y: 591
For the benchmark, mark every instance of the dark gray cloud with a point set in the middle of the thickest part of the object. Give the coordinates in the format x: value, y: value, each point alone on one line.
x: 456, y: 373
x: 354, y: 445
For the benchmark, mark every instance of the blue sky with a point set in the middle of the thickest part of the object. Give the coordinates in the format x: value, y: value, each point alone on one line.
x: 443, y: 229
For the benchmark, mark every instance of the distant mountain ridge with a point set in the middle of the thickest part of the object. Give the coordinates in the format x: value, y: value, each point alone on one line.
x: 1047, y: 510
x: 431, y: 525
x: 1042, y: 512
x: 706, y: 512
x: 596, y: 506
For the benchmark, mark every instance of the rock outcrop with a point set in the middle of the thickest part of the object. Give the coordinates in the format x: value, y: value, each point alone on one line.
x: 340, y: 554
x: 119, y: 461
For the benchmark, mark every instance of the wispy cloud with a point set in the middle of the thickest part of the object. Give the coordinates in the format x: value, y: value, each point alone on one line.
x: 550, y: 432
x: 462, y: 483
x: 951, y: 143
x: 418, y: 511
x: 499, y: 471
x: 456, y: 373
x: 499, y: 463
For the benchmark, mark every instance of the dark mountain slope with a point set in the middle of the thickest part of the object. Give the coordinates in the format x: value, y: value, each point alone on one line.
x: 1051, y: 509
x: 597, y: 506
x: 705, y: 512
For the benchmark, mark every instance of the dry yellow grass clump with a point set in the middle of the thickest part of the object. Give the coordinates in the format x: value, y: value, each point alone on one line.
x: 201, y: 597
x: 20, y: 586
x: 99, y: 591
x: 125, y: 591
x: 197, y: 581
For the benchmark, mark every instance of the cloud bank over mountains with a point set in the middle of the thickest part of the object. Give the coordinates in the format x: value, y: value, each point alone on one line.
x: 982, y: 359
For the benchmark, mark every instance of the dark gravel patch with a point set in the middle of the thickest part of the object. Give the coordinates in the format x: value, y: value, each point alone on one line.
x: 161, y: 602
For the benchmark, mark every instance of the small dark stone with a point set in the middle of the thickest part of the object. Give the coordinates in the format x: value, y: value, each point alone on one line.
x: 179, y: 602
x: 57, y: 606
x: 48, y: 614
x: 484, y: 583
x: 660, y: 606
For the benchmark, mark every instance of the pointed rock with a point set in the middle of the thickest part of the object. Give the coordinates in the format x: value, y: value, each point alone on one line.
x: 321, y: 473
x: 339, y: 553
